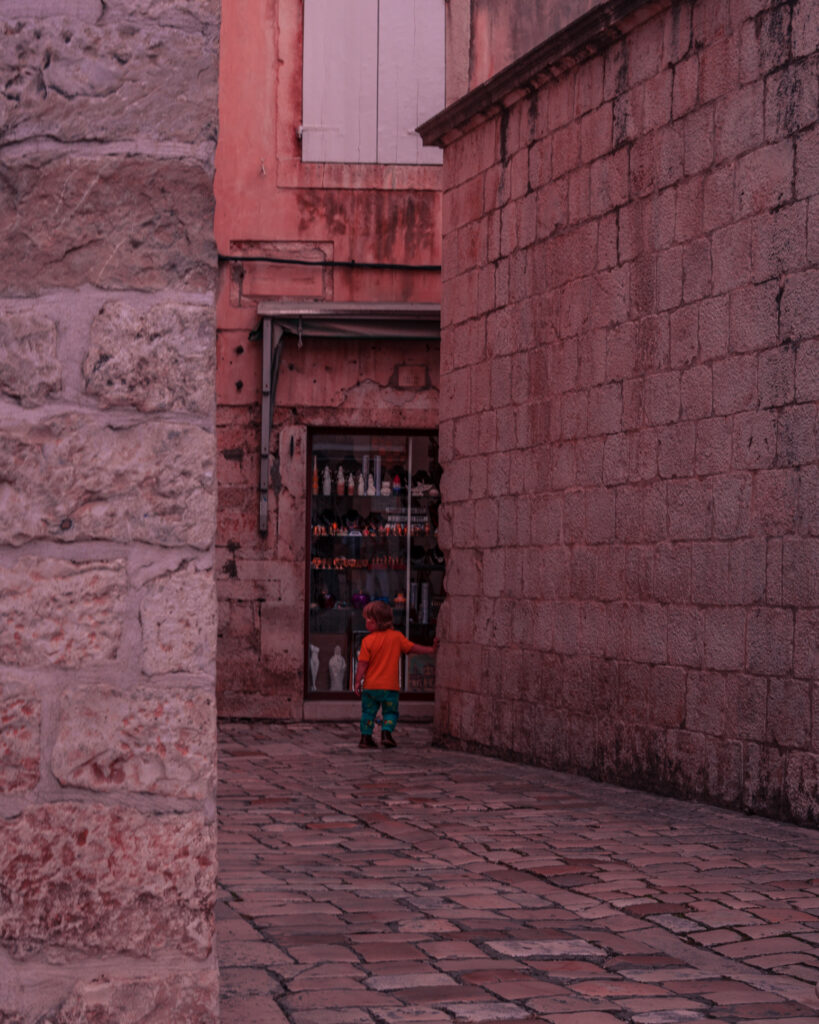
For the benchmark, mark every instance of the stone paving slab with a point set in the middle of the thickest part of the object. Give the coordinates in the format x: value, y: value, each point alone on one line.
x: 423, y: 886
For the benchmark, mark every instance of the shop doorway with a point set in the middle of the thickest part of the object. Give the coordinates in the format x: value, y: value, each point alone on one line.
x: 373, y: 536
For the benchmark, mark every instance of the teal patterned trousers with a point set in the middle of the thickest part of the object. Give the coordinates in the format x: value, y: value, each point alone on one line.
x: 371, y: 700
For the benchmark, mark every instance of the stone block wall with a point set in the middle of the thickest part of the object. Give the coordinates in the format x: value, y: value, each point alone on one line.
x: 107, y: 511
x: 630, y: 375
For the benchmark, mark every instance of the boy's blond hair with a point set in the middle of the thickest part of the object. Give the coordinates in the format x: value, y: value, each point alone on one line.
x: 381, y: 614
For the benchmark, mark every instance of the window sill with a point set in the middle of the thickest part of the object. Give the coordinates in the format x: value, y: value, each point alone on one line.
x: 294, y: 173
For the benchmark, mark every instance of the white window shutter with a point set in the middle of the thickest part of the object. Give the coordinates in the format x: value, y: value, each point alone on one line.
x: 411, y: 85
x: 340, y: 81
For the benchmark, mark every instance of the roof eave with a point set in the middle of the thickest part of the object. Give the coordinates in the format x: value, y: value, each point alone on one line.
x: 584, y: 37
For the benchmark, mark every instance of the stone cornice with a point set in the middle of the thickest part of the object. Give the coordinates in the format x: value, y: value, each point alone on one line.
x: 584, y: 37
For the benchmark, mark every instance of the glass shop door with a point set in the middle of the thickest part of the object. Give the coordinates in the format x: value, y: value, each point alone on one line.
x: 373, y: 525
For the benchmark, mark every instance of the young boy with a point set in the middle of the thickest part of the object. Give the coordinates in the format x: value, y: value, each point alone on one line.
x: 377, y: 671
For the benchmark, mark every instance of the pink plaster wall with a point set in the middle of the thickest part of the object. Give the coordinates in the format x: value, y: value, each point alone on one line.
x: 500, y: 33
x: 630, y: 375
x: 270, y: 204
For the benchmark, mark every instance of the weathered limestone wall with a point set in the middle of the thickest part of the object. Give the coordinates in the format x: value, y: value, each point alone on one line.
x: 630, y: 375
x: 107, y: 511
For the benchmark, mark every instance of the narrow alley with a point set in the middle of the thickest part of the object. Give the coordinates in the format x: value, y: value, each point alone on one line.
x: 418, y: 886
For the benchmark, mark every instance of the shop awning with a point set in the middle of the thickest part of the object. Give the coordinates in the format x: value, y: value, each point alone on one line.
x: 404, y: 321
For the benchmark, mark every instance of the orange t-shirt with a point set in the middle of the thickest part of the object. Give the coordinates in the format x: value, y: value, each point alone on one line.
x: 382, y: 651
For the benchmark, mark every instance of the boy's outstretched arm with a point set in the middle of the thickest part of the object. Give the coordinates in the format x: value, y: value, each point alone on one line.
x: 422, y: 649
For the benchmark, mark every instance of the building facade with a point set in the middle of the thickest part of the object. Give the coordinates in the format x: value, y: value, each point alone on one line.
x: 328, y: 229
x: 629, y: 384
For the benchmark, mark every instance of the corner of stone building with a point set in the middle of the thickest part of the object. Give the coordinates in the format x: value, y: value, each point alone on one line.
x: 629, y: 399
x: 107, y: 525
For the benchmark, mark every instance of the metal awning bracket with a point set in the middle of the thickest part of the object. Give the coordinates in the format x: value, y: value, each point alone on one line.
x: 271, y: 359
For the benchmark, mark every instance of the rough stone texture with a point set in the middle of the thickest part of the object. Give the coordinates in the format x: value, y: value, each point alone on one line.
x: 629, y: 435
x: 19, y: 744
x: 72, y: 478
x: 157, y: 360
x: 178, y: 616
x: 176, y: 999
x: 107, y: 131
x: 144, y: 742
x: 57, y: 612
x: 30, y: 370
x: 111, y: 221
x: 64, y: 75
x: 82, y: 878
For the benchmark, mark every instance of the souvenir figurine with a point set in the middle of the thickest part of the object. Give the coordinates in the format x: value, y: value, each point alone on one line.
x: 338, y: 666
x: 326, y: 482
x: 361, y: 487
x: 351, y: 484
x: 371, y: 491
x: 340, y: 481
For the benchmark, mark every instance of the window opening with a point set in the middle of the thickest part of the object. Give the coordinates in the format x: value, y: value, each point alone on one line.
x: 373, y: 71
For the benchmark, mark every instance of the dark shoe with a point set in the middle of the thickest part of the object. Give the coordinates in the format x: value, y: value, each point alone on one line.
x: 387, y: 740
x: 366, y: 741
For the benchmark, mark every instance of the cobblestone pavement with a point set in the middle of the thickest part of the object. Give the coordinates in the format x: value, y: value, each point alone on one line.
x: 418, y: 886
